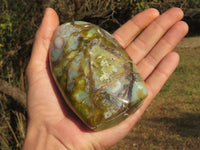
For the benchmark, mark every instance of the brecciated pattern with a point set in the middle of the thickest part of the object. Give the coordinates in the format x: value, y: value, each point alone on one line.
x: 95, y: 75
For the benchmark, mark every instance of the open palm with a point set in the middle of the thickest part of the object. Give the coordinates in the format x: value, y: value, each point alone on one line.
x: 148, y: 38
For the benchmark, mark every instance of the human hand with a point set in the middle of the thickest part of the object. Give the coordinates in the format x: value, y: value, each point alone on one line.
x: 148, y: 38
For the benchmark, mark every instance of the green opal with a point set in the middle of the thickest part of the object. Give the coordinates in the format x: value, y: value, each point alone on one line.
x: 95, y: 75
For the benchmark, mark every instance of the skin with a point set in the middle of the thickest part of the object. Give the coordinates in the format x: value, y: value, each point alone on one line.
x: 148, y: 38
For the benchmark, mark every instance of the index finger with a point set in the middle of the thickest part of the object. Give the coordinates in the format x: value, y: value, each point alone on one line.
x: 127, y: 32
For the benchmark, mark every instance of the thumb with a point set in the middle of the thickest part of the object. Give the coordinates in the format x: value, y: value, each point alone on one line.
x: 42, y: 41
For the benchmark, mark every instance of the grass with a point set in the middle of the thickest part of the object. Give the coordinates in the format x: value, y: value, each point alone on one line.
x: 172, y: 121
x: 12, y: 125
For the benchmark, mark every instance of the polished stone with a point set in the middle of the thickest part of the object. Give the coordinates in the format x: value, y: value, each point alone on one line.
x: 95, y: 75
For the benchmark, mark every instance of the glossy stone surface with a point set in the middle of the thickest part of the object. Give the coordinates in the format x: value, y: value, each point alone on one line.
x: 95, y: 75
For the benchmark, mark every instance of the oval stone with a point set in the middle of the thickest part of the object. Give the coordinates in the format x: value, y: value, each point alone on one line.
x: 95, y: 75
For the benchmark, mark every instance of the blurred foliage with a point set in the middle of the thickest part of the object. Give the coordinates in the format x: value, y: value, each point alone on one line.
x: 12, y: 124
x: 106, y: 13
x: 192, y: 4
x: 19, y: 21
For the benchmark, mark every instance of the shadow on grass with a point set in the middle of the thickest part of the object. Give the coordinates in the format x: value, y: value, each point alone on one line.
x: 187, y: 125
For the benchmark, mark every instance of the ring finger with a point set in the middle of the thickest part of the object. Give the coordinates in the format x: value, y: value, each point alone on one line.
x: 141, y: 46
x: 162, y: 48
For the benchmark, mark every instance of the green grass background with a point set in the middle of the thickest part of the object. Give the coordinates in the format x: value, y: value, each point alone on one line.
x: 172, y: 121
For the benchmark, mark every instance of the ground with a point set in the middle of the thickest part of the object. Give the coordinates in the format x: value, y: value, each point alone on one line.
x: 172, y: 121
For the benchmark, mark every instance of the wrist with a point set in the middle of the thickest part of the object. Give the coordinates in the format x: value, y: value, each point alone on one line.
x: 38, y: 138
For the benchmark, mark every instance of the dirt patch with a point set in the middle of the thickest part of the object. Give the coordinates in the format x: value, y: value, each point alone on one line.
x: 171, y: 122
x: 190, y: 42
